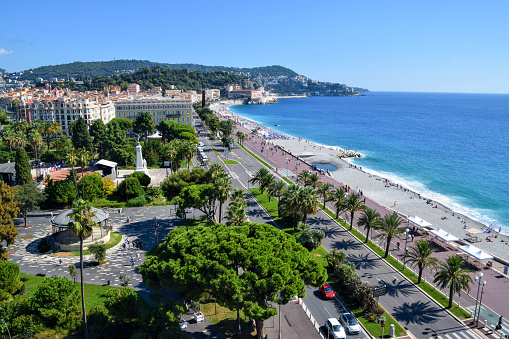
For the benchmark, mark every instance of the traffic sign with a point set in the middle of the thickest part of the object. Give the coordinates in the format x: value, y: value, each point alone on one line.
x: 383, y: 324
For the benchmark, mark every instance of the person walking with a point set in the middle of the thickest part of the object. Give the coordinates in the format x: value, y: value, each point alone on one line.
x: 132, y: 261
x: 138, y: 256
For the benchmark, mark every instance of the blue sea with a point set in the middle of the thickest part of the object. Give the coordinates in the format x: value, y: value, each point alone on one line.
x: 450, y: 147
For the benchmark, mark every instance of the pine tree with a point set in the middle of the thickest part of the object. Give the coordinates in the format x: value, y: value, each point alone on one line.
x: 22, y: 167
x: 80, y: 136
x: 9, y: 210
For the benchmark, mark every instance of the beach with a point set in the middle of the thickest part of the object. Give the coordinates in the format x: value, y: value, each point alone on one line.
x: 383, y: 192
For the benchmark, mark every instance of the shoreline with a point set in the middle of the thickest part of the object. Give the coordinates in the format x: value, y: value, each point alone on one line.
x: 384, y: 191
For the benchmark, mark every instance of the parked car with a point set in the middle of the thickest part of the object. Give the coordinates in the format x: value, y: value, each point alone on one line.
x: 327, y: 291
x: 334, y: 328
x: 350, y: 323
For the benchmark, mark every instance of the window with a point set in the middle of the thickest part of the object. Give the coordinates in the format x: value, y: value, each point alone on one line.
x: 178, y: 119
x: 124, y: 114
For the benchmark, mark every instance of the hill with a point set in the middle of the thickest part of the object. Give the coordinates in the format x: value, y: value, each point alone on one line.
x: 109, y: 68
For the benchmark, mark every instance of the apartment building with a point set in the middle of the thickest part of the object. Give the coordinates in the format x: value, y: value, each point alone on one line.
x: 178, y: 109
x: 66, y: 109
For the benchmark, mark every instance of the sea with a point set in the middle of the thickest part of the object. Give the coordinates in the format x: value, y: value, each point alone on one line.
x: 450, y: 147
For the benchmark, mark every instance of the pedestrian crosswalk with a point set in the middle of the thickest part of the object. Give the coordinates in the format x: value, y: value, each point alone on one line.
x: 466, y: 334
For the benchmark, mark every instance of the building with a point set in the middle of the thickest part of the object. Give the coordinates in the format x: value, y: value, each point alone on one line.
x: 245, y: 93
x: 212, y: 94
x: 66, y: 109
x: 133, y: 89
x: 177, y: 109
x: 157, y: 91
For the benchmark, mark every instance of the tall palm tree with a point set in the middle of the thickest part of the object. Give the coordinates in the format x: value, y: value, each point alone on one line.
x: 35, y: 139
x: 453, y: 276
x: 339, y: 198
x: 263, y: 178
x: 21, y: 125
x: 21, y: 139
x: 369, y: 219
x: 308, y: 202
x: 324, y: 189
x: 83, y: 159
x: 420, y: 254
x: 290, y: 203
x: 223, y: 186
x: 57, y: 130
x: 354, y: 204
x: 276, y: 189
x: 70, y: 126
x: 389, y: 228
x: 303, y: 177
x: 189, y: 150
x: 9, y: 136
x: 238, y: 196
x: 48, y: 131
x: 236, y: 213
x: 82, y: 216
x: 313, y: 180
x: 72, y: 160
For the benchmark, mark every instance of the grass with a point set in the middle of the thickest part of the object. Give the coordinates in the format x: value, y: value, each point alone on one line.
x: 115, y: 238
x: 224, y: 319
x: 320, y: 256
x: 257, y: 158
x: 426, y: 287
x: 231, y: 162
x: 110, y: 201
x: 215, y: 151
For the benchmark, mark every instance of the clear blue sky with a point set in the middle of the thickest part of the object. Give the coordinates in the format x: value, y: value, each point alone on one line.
x: 439, y: 46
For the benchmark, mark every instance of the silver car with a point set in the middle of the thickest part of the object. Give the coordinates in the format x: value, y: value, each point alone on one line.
x: 350, y: 323
x: 334, y: 328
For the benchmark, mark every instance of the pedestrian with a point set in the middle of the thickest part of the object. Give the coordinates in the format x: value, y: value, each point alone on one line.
x: 51, y: 213
x: 138, y: 256
x: 60, y: 261
x: 132, y: 261
x: 141, y: 245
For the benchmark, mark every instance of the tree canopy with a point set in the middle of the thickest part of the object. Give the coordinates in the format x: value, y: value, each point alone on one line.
x: 22, y: 167
x: 8, y: 211
x: 258, y: 263
x: 80, y: 136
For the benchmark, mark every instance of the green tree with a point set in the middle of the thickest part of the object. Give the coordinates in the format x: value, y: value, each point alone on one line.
x: 314, y: 180
x: 29, y: 198
x: 72, y: 160
x: 236, y: 213
x: 8, y: 211
x: 454, y: 277
x: 22, y: 167
x: 93, y: 186
x: 303, y: 177
x: 325, y: 191
x: 9, y: 137
x: 421, y: 255
x: 263, y: 178
x: 97, y: 130
x: 201, y: 197
x: 238, y: 196
x: 98, y: 249
x: 83, y: 157
x: 83, y: 221
x: 290, y: 203
x: 35, y: 139
x: 223, y: 186
x: 142, y: 178
x: 311, y: 239
x: 174, y: 184
x: 80, y: 136
x: 369, y: 219
x: 308, y: 202
x: 339, y: 198
x: 73, y: 272
x: 130, y: 188
x: 56, y: 301
x: 125, y: 308
x: 60, y: 193
x: 9, y: 280
x: 276, y: 189
x: 354, y: 204
x: 143, y: 124
x: 389, y: 228
x: 274, y: 267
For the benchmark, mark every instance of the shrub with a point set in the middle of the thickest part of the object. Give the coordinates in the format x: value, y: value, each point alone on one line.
x: 154, y: 193
x: 98, y: 323
x: 108, y: 186
x: 93, y: 186
x: 25, y: 326
x: 311, y: 239
x: 98, y: 249
x: 142, y: 177
x: 177, y: 181
x: 137, y: 202
x: 60, y: 193
x: 9, y: 279
x: 134, y: 188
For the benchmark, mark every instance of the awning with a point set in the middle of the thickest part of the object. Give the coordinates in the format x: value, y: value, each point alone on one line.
x: 444, y: 235
x: 420, y: 222
x: 106, y: 163
x: 476, y: 252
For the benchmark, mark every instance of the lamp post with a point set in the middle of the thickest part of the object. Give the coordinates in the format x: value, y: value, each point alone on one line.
x: 287, y: 161
x: 279, y: 335
x: 155, y: 226
x: 478, y: 281
x: 480, y: 302
x: 406, y: 248
x: 7, y: 327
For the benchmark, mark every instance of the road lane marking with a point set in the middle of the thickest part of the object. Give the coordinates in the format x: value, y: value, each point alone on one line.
x: 328, y: 312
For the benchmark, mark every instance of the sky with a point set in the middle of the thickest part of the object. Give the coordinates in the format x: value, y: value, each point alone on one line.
x: 415, y: 46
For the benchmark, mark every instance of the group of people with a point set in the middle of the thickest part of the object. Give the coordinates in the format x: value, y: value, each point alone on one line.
x: 127, y: 245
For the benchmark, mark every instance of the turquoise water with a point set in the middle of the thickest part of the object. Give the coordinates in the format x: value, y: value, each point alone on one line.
x: 452, y: 148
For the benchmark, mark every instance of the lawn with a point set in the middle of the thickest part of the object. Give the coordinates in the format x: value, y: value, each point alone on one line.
x: 115, y: 238
x: 225, y: 319
x: 231, y: 162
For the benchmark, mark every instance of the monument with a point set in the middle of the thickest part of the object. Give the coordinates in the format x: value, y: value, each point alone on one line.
x: 141, y: 164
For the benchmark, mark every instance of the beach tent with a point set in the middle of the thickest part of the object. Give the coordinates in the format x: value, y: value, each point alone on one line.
x: 444, y: 235
x: 475, y: 252
x: 420, y: 222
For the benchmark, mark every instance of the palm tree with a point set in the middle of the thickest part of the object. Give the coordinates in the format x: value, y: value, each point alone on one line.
x: 223, y: 186
x: 57, y: 130
x: 21, y: 139
x: 389, y: 228
x: 83, y: 159
x: 263, y: 178
x: 421, y: 255
x: 324, y: 190
x: 236, y: 213
x: 339, y: 198
x: 35, y: 139
x: 188, y: 150
x: 48, y: 131
x: 72, y: 160
x: 303, y: 177
x: 70, y: 126
x: 239, y: 135
x: 21, y: 125
x: 313, y: 180
x: 276, y: 190
x: 453, y: 276
x: 308, y: 202
x: 369, y: 219
x: 290, y: 203
x: 9, y: 136
x: 238, y: 196
x: 354, y: 204
x: 82, y: 215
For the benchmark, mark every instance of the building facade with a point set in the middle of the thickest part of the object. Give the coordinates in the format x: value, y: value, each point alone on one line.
x: 160, y: 108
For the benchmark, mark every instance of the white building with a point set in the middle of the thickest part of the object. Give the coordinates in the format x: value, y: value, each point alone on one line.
x: 160, y: 108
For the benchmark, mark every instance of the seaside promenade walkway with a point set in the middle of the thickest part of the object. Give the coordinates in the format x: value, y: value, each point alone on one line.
x: 494, y: 298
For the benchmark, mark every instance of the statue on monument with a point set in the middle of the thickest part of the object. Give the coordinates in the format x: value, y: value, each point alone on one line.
x: 141, y: 164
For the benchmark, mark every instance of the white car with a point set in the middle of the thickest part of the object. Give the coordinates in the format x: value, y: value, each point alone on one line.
x: 350, y: 323
x: 334, y: 328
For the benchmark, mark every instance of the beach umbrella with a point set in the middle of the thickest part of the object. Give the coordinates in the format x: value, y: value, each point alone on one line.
x: 476, y: 252
x: 448, y: 237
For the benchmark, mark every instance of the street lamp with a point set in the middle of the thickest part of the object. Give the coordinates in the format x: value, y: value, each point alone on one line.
x: 287, y: 161
x: 7, y: 327
x: 480, y: 302
x: 478, y: 281
x: 407, y: 231
x: 279, y: 335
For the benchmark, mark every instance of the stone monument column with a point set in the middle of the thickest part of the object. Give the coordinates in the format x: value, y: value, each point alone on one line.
x: 141, y: 164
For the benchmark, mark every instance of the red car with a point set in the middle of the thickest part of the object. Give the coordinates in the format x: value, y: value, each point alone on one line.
x: 327, y: 291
